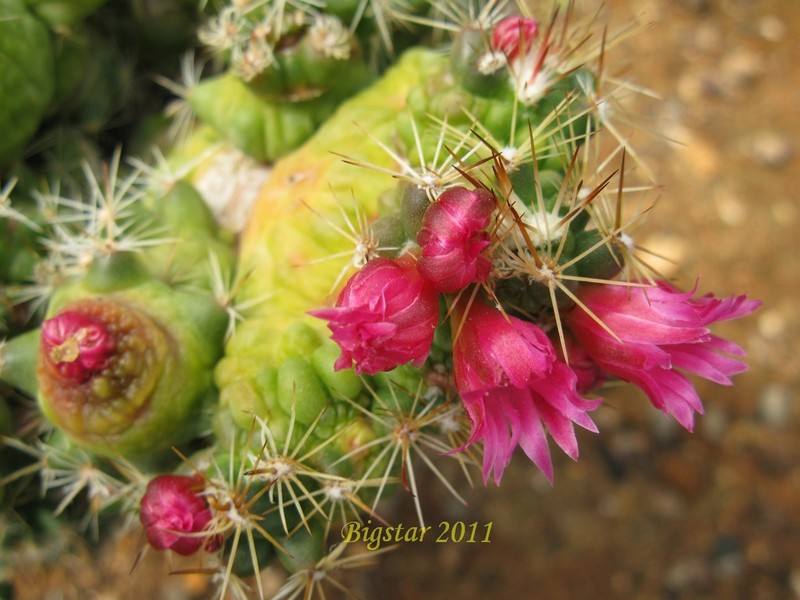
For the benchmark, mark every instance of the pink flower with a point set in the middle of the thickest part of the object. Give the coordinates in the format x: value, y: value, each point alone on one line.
x: 590, y: 375
x: 385, y: 317
x: 78, y: 344
x: 172, y: 506
x: 513, y: 33
x: 453, y: 239
x: 513, y: 386
x: 660, y: 329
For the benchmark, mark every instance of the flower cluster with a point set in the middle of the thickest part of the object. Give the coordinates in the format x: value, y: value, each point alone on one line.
x: 514, y: 383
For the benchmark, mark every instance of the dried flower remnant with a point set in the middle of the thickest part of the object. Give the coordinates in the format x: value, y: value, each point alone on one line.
x: 77, y: 344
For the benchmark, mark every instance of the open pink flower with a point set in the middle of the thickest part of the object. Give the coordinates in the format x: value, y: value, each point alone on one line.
x: 514, y: 36
x: 453, y: 239
x: 78, y: 344
x: 172, y: 506
x: 385, y: 317
x: 660, y: 329
x: 513, y: 386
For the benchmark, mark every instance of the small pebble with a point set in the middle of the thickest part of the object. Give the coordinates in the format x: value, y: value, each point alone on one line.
x: 771, y: 324
x: 794, y: 580
x: 772, y: 28
x: 775, y: 405
x: 740, y: 69
x: 686, y: 575
x: 771, y: 149
x: 730, y: 207
x: 784, y: 213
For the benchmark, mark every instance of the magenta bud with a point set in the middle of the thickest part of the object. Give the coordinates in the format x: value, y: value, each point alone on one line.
x: 453, y: 239
x: 77, y: 344
x: 514, y: 36
x: 172, y: 507
x: 385, y: 317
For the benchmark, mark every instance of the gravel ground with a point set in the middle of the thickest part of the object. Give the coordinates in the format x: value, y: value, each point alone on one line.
x: 649, y: 511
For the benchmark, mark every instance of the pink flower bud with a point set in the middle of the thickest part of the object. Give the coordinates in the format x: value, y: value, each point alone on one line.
x: 77, y: 344
x: 514, y: 36
x: 173, y: 506
x: 385, y: 317
x: 453, y: 239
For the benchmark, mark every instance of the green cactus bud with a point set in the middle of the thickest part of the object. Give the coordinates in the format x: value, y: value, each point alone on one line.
x: 22, y: 266
x: 413, y: 204
x: 344, y: 9
x: 524, y: 296
x: 404, y: 377
x: 604, y: 262
x: 526, y: 184
x: 243, y: 559
x: 184, y: 209
x: 339, y: 383
x: 262, y: 130
x: 244, y: 403
x: 18, y: 247
x: 300, y: 389
x: 192, y: 238
x: 479, y: 69
x: 69, y: 150
x: 389, y: 233
x: 325, y: 58
x: 357, y: 434
x: 298, y: 340
x: 115, y: 271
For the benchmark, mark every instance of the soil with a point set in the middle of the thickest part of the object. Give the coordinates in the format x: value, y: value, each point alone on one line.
x: 650, y: 511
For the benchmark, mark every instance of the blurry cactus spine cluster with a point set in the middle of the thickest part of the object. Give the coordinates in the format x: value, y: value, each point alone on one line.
x: 265, y: 260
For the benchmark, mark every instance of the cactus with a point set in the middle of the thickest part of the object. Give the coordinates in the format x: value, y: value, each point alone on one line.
x: 437, y: 266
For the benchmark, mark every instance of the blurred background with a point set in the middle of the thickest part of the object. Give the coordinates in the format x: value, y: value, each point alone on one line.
x: 649, y: 511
